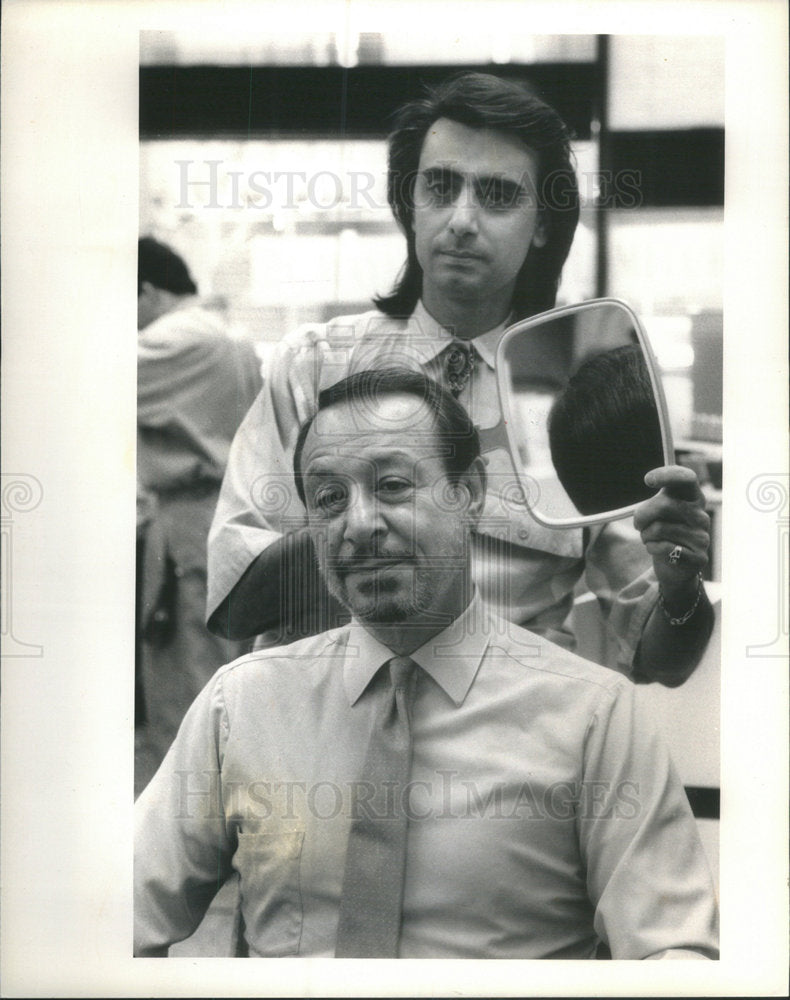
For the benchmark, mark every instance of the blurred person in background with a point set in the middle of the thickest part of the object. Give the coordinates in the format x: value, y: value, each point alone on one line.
x: 482, y: 185
x: 194, y: 385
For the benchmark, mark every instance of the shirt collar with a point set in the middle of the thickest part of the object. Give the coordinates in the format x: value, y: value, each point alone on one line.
x: 434, y: 337
x: 487, y: 343
x: 452, y: 658
x: 426, y: 334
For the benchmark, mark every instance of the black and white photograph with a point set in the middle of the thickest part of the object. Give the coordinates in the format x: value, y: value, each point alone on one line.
x: 412, y: 584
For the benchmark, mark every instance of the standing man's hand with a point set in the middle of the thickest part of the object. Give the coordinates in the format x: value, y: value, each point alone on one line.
x: 675, y: 529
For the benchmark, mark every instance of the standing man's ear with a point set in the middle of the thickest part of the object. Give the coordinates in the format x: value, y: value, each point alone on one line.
x: 540, y: 236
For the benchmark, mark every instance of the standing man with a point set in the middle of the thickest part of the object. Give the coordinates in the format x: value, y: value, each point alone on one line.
x: 194, y: 385
x: 482, y: 185
x: 428, y: 781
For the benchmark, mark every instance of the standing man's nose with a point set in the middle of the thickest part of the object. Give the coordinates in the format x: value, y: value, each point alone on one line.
x: 463, y: 220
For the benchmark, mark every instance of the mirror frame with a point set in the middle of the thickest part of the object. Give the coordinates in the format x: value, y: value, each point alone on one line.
x: 503, y: 381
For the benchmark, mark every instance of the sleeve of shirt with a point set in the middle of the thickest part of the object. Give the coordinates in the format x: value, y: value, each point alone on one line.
x: 166, y: 367
x: 619, y: 571
x: 194, y: 385
x: 182, y: 847
x: 179, y: 357
x: 258, y: 502
x: 647, y: 873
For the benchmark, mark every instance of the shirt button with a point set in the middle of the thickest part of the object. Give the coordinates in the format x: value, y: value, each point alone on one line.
x: 523, y: 533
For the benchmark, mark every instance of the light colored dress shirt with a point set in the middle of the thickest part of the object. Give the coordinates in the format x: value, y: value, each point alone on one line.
x: 544, y: 812
x: 525, y: 571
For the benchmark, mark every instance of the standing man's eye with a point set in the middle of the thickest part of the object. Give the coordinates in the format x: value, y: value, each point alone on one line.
x: 441, y: 190
x: 441, y: 187
x: 330, y: 499
x: 497, y: 195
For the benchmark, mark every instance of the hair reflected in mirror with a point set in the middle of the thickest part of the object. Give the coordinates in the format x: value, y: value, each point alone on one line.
x: 604, y: 432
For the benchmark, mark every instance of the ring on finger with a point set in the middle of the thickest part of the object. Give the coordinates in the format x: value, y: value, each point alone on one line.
x: 675, y: 554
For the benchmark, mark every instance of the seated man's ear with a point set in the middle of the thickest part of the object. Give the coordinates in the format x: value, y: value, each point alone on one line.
x: 472, y: 485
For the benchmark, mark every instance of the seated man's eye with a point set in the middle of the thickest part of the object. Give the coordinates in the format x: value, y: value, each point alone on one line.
x: 331, y: 498
x: 394, y: 488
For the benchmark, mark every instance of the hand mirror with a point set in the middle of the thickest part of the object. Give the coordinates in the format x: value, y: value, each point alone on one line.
x: 584, y: 411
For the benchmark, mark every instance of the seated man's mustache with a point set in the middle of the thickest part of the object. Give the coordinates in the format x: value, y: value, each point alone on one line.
x: 366, y: 557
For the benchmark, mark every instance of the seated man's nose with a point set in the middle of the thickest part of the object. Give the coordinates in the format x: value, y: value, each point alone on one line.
x: 362, y: 518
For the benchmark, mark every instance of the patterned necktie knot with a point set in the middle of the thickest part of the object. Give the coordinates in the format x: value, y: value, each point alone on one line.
x: 459, y: 362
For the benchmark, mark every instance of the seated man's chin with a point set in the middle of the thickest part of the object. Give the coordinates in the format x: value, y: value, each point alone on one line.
x: 383, y: 598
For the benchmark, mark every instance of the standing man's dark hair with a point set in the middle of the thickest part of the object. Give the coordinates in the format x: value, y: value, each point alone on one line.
x: 480, y: 100
x: 163, y: 268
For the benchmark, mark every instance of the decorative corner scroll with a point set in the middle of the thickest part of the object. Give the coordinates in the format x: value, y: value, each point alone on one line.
x: 20, y: 493
x: 770, y: 493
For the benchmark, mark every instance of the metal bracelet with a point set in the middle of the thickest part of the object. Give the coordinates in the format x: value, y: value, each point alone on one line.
x: 685, y: 617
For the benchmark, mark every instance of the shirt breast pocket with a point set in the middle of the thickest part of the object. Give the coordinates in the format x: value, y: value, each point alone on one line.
x: 271, y: 899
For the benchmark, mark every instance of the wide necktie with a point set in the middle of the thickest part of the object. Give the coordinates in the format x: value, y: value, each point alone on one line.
x: 458, y: 365
x: 372, y: 899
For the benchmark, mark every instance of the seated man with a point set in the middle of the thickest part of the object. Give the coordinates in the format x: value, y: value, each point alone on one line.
x: 428, y: 781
